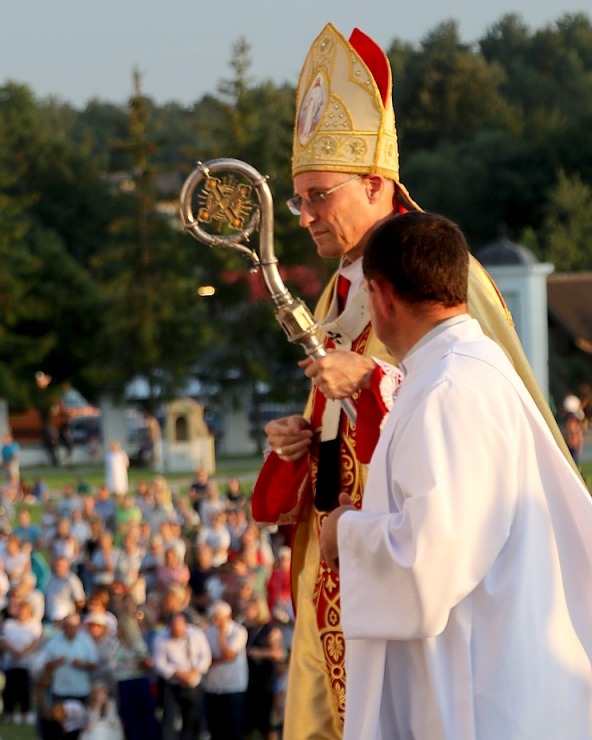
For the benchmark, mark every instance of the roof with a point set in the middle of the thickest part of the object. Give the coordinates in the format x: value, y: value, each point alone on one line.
x: 505, y: 252
x: 569, y: 299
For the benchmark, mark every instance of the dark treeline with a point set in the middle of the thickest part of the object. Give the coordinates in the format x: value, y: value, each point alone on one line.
x: 98, y: 283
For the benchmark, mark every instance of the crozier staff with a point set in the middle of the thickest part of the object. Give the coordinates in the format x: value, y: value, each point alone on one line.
x: 464, y: 576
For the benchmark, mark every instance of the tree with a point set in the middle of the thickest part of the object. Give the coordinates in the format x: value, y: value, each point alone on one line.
x: 548, y: 73
x: 152, y: 318
x: 49, y: 299
x: 566, y: 234
x: 447, y: 92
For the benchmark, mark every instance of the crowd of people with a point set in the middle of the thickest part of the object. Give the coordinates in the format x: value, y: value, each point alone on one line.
x: 575, y: 415
x: 144, y: 615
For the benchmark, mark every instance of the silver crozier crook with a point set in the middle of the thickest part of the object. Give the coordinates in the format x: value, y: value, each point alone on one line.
x: 225, y: 205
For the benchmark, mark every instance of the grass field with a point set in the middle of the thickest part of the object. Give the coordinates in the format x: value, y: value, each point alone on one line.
x: 17, y: 732
x: 57, y: 477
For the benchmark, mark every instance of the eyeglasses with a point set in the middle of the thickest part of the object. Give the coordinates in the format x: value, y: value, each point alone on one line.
x: 316, y: 198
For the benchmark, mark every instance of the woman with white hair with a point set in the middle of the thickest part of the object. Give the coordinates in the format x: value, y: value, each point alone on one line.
x: 20, y: 639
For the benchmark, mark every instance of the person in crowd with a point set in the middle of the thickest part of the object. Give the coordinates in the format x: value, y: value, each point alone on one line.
x: 133, y: 676
x: 198, y: 488
x: 20, y: 638
x: 13, y: 603
x: 182, y: 656
x: 49, y: 520
x: 153, y: 560
x: 573, y: 433
x: 234, y: 575
x: 278, y: 709
x: 170, y: 532
x: 80, y: 529
x: 187, y: 518
x: 17, y: 560
x: 234, y: 493
x: 63, y: 720
x: 256, y: 540
x: 88, y: 507
x: 40, y: 568
x: 99, y: 602
x: 448, y: 599
x: 204, y: 579
x: 346, y: 182
x: 161, y: 510
x: 216, y: 536
x: 172, y: 571
x: 126, y: 515
x: 143, y: 496
x: 116, y: 469
x: 5, y: 532
x: 70, y: 657
x: 212, y: 503
x: 225, y: 684
x: 26, y: 492
x: 103, y: 721
x: 68, y: 501
x: 105, y: 506
x: 236, y: 523
x: 265, y: 649
x: 104, y: 560
x: 87, y: 551
x: 279, y: 588
x: 177, y: 600
x: 39, y: 490
x: 245, y: 593
x: 128, y: 576
x: 25, y: 530
x: 82, y: 487
x: 28, y: 591
x: 64, y: 544
x: 106, y: 644
x: 159, y: 485
x: 4, y: 588
x: 144, y: 534
x: 64, y: 593
x: 11, y: 460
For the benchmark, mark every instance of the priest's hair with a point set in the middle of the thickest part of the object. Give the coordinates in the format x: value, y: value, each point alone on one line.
x: 423, y: 256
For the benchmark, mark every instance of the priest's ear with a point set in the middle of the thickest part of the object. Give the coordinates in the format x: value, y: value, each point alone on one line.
x: 382, y: 299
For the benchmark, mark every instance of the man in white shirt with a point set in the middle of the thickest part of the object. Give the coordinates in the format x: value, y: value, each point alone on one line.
x: 225, y: 685
x: 64, y: 593
x: 463, y: 577
x: 182, y: 656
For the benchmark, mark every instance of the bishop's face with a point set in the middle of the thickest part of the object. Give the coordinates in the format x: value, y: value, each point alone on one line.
x: 339, y: 223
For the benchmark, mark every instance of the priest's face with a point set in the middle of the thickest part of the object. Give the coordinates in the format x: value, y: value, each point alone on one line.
x: 339, y: 222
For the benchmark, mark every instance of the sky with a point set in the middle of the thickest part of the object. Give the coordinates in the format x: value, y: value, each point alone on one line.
x: 78, y: 50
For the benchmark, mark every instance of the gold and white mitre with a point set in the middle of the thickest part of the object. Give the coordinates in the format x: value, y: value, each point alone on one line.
x: 345, y: 120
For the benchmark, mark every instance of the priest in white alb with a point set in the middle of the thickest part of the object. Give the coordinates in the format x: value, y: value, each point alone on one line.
x: 466, y: 578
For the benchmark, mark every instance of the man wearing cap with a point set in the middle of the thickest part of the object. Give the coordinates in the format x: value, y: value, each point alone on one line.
x: 346, y: 182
